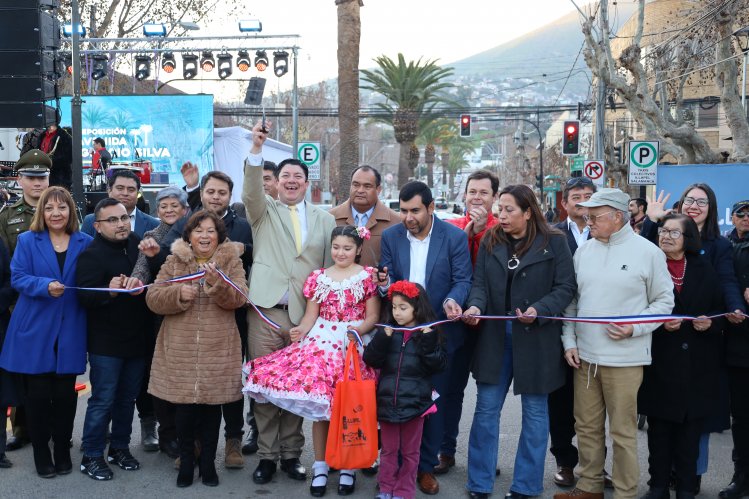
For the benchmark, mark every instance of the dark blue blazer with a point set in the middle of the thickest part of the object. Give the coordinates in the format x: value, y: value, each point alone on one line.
x: 571, y: 241
x: 448, y: 269
x: 45, y: 334
x: 143, y: 223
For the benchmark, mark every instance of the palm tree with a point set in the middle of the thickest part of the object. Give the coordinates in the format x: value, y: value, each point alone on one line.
x: 434, y: 133
x: 349, y: 33
x: 457, y: 148
x: 412, y: 90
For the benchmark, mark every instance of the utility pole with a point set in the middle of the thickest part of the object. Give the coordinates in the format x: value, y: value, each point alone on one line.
x: 600, y: 108
x: 75, y: 106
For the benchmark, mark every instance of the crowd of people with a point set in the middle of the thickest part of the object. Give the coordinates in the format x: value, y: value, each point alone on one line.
x: 624, y: 308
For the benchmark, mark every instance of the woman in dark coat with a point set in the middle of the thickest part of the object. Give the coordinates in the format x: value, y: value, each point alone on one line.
x: 7, y: 388
x: 524, y: 268
x: 679, y: 388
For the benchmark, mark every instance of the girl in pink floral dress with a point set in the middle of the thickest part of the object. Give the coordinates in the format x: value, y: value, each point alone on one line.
x: 301, y: 378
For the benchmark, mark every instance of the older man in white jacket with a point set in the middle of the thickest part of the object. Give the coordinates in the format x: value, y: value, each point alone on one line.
x: 618, y: 274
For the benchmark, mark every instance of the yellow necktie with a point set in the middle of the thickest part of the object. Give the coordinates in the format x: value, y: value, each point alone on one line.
x: 297, y: 228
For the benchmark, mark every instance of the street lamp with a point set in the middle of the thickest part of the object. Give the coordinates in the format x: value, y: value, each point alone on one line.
x: 742, y: 37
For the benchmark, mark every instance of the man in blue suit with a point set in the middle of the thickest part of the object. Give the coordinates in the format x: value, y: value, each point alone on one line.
x: 124, y: 185
x: 433, y: 253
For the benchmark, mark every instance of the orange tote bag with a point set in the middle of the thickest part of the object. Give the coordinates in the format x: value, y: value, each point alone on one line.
x: 352, y: 436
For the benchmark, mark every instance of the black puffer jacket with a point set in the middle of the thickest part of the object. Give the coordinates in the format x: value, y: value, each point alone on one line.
x: 404, y: 390
x: 737, y: 335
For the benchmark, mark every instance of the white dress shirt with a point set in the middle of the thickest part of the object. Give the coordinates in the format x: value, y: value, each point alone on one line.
x: 419, y: 252
x: 361, y: 219
x: 132, y: 219
x: 580, y: 237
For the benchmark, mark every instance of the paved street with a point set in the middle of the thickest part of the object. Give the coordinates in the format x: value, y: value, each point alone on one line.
x: 157, y: 476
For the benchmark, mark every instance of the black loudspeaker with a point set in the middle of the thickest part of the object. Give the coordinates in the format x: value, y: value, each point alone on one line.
x: 255, y: 90
x: 29, y: 39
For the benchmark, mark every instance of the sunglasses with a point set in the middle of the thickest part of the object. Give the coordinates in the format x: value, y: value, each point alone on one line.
x: 741, y: 214
x: 579, y: 181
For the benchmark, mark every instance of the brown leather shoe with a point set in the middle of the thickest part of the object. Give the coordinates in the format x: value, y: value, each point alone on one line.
x: 446, y: 462
x: 579, y: 494
x: 564, y: 477
x: 428, y: 483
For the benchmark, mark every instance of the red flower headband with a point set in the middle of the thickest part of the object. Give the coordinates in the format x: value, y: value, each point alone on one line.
x: 405, y: 288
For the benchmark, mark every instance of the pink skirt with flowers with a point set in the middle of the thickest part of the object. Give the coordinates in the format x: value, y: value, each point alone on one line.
x: 301, y: 378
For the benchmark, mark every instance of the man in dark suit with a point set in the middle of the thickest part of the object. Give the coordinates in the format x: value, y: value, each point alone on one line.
x: 561, y: 409
x: 433, y: 253
x: 123, y: 185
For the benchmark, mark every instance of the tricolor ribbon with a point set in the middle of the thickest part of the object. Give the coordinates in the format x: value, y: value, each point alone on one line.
x: 617, y: 319
x: 264, y: 317
x: 183, y: 278
x: 188, y: 278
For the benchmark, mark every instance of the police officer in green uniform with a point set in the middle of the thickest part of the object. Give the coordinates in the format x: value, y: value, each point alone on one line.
x: 33, y: 177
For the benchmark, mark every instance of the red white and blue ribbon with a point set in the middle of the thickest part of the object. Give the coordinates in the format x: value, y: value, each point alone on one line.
x: 188, y: 278
x: 264, y: 317
x: 617, y: 319
x: 183, y: 278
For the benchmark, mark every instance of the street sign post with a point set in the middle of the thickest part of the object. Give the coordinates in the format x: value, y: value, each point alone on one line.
x: 309, y: 154
x: 643, y: 162
x: 577, y: 164
x: 594, y: 170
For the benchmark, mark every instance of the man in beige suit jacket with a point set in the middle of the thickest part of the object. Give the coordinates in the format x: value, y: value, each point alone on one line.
x: 363, y: 207
x: 281, y: 264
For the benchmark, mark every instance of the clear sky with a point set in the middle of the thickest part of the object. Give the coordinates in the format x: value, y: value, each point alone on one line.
x: 436, y: 29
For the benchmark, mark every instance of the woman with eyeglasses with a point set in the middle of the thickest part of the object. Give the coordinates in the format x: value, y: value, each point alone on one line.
x: 679, y: 391
x: 46, y: 339
x: 524, y: 268
x: 698, y: 201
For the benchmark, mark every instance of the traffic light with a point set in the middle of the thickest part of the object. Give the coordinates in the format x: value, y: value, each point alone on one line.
x: 618, y: 153
x: 571, y: 138
x: 465, y: 125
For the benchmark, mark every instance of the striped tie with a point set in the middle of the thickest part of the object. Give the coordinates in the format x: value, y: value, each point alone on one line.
x: 297, y: 228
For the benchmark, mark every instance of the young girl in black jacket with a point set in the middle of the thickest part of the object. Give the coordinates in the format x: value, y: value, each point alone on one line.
x: 406, y: 360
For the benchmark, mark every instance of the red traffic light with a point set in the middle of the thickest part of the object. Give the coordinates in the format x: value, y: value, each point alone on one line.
x: 571, y: 129
x: 571, y: 139
x: 465, y: 125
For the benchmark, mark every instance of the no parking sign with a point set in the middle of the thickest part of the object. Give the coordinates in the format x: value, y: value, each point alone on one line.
x: 643, y: 162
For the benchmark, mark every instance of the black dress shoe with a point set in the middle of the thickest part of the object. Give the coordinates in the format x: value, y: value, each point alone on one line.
x: 4, y: 461
x: 346, y: 490
x: 15, y: 443
x: 169, y: 447
x: 319, y: 490
x: 264, y: 471
x: 516, y: 495
x: 294, y: 468
x: 477, y: 495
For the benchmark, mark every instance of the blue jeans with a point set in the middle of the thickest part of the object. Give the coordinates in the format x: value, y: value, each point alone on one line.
x: 115, y: 384
x: 483, y: 442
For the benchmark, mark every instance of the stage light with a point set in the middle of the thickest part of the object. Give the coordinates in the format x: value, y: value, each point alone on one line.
x: 142, y: 67
x: 224, y: 66
x: 207, y: 62
x: 67, y: 30
x: 189, y: 66
x: 280, y: 62
x: 168, y: 64
x: 154, y: 29
x: 250, y: 26
x: 243, y: 60
x: 99, y: 66
x: 261, y: 60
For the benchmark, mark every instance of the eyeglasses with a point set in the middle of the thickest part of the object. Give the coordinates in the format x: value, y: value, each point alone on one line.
x: 593, y: 218
x: 741, y: 214
x: 673, y: 234
x: 701, y: 202
x: 578, y: 182
x: 114, y: 220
